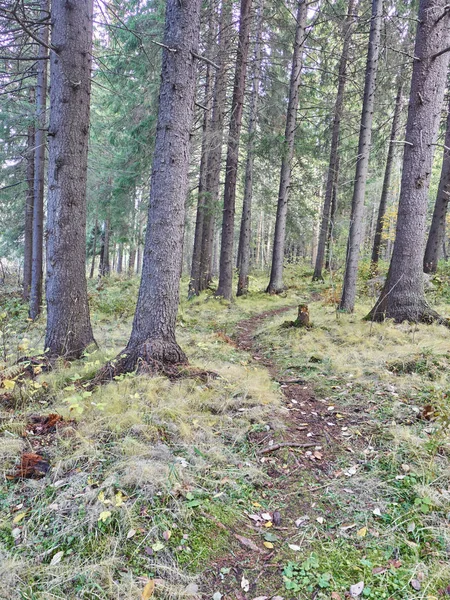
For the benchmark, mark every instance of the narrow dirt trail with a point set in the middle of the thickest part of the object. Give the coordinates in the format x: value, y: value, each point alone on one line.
x: 298, y: 461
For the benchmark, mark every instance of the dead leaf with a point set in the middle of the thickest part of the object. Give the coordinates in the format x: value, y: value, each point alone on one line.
x: 268, y: 545
x: 19, y: 517
x: 148, y: 590
x: 57, y: 558
x: 245, y: 584
x: 247, y: 543
x: 347, y: 527
x: 294, y: 547
x: 379, y: 570
x: 356, y: 589
x: 335, y: 596
x: 362, y: 532
x: 415, y: 584
x: 131, y: 533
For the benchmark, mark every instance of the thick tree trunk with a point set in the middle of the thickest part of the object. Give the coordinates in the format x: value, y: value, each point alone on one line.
x: 225, y: 287
x: 215, y: 153
x: 194, y: 282
x: 152, y: 338
x: 39, y: 168
x: 387, y: 179
x: 245, y: 231
x: 365, y: 135
x: 436, y: 236
x: 29, y: 203
x: 68, y: 325
x: 276, y: 276
x: 403, y: 296
x: 333, y: 164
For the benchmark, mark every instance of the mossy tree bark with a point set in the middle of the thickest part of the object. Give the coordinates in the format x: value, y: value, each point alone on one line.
x: 68, y: 330
x: 152, y: 338
x: 403, y: 296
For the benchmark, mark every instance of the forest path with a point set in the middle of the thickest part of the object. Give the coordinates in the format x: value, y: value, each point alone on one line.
x: 299, y: 461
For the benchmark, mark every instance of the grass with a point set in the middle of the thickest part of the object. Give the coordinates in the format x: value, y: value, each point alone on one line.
x: 151, y: 479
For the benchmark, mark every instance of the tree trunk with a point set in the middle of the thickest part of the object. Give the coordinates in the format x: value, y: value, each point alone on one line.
x: 403, y: 296
x: 333, y: 164
x: 365, y: 135
x: 331, y: 224
x: 104, y: 267
x: 94, y: 249
x: 194, y: 282
x: 215, y: 154
x: 276, y: 276
x: 245, y: 232
x: 225, y: 287
x: 29, y: 202
x: 39, y: 168
x: 120, y: 258
x: 436, y: 236
x: 387, y: 179
x: 69, y: 329
x: 152, y: 338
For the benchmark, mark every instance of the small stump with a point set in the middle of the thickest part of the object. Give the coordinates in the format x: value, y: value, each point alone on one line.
x: 302, y: 319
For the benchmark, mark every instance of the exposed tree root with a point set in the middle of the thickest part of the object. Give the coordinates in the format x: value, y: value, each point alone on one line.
x: 423, y: 314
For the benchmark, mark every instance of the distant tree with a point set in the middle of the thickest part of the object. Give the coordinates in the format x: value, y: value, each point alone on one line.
x: 68, y: 330
x: 276, y: 275
x: 355, y: 236
x: 403, y: 296
x: 436, y: 236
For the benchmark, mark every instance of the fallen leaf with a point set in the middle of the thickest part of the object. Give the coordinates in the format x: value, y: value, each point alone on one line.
x: 347, y: 527
x: 377, y: 512
x: 245, y: 584
x: 268, y: 544
x: 335, y: 596
x: 411, y: 526
x: 301, y: 520
x: 217, y: 596
x: 16, y: 532
x: 268, y: 524
x: 57, y: 558
x: 167, y: 534
x: 19, y: 517
x: 8, y: 384
x: 247, y: 543
x: 148, y: 590
x: 379, y: 570
x: 294, y: 547
x: 104, y: 516
x: 266, y: 516
x: 356, y: 589
x: 362, y: 532
x: 131, y: 533
x: 260, y: 598
x: 157, y: 546
x: 191, y: 589
x: 320, y: 520
x: 415, y: 584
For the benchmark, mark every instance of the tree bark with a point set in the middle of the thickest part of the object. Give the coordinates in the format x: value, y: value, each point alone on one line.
x: 69, y: 329
x: 39, y: 167
x: 94, y: 249
x: 29, y: 203
x: 245, y: 231
x: 403, y: 296
x: 333, y: 164
x: 387, y: 179
x: 436, y: 235
x: 332, y: 222
x: 365, y: 135
x: 215, y: 153
x: 152, y: 338
x: 104, y: 267
x: 120, y: 258
x: 276, y: 276
x: 225, y: 287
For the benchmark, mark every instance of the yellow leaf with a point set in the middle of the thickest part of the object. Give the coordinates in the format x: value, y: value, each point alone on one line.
x: 362, y: 532
x: 104, y: 516
x: 257, y: 504
x: 101, y: 497
x: 268, y: 524
x: 268, y: 544
x: 147, y: 592
x: 19, y: 517
x: 8, y: 384
x: 119, y: 498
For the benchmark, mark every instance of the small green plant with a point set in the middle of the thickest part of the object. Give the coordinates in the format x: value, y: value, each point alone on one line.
x: 305, y: 576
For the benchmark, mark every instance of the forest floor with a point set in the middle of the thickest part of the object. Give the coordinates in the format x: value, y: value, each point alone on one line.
x: 315, y: 466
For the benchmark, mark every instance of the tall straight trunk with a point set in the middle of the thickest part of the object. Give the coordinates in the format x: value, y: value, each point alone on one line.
x: 276, y: 276
x: 387, y: 179
x: 225, y: 287
x: 194, y: 282
x: 29, y: 202
x: 436, y: 236
x: 355, y: 235
x: 333, y: 163
x: 332, y: 223
x: 245, y: 231
x: 69, y: 329
x: 403, y: 296
x: 215, y: 153
x: 120, y: 258
x: 104, y: 267
x: 39, y: 167
x: 94, y: 249
x: 152, y: 339
x: 131, y: 261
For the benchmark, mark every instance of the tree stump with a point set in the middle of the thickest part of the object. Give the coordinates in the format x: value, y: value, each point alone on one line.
x: 302, y: 319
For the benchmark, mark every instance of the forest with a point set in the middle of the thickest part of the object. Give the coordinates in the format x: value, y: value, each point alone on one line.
x: 224, y: 299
